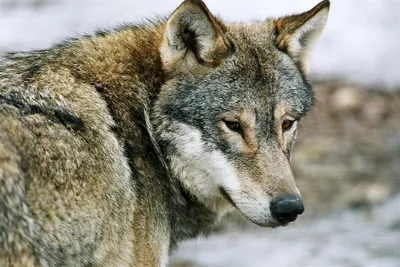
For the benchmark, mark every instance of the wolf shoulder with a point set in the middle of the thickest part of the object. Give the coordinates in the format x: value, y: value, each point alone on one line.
x: 57, y: 144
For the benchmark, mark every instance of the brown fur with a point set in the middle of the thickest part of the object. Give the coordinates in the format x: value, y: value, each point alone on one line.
x: 83, y: 180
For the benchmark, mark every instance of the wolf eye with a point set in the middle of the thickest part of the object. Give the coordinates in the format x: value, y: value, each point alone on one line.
x: 287, y: 124
x: 233, y: 126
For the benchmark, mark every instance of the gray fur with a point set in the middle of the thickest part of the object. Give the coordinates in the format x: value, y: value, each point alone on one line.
x: 114, y: 148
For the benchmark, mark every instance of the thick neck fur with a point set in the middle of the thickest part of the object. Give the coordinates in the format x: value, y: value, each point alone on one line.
x: 125, y: 69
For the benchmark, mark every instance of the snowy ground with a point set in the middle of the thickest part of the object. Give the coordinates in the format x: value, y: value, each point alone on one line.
x: 369, y: 239
x: 361, y: 42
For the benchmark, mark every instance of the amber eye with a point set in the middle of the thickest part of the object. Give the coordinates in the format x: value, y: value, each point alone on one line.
x: 287, y: 124
x: 233, y: 126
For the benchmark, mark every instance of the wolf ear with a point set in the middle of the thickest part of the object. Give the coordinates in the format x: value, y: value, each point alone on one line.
x: 193, y: 38
x: 298, y: 34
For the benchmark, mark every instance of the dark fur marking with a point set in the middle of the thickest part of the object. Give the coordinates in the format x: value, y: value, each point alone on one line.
x: 189, y: 38
x: 102, y: 33
x: 304, y: 38
x: 67, y: 118
x: 116, y: 130
x: 226, y: 196
x: 259, y: 68
x: 11, y: 100
x: 99, y: 88
x: 30, y: 72
x: 49, y: 110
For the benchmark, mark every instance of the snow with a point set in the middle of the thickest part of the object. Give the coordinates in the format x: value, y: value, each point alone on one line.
x: 360, y: 44
x: 348, y: 239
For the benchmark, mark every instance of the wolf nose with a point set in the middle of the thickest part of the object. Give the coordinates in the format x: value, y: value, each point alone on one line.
x: 286, y: 208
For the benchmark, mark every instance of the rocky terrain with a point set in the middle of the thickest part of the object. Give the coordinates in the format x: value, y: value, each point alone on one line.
x: 348, y: 154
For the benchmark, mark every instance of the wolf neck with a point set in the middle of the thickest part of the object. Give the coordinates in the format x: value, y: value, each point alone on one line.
x: 129, y: 82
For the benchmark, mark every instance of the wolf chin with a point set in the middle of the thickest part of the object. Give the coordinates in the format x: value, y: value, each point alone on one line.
x: 115, y: 147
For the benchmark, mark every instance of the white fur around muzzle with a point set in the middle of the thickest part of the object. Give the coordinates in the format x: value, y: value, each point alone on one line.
x: 203, y: 170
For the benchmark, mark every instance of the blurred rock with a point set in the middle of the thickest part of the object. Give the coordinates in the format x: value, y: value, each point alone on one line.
x: 376, y: 109
x: 346, y: 99
x: 366, y: 195
x: 348, y: 152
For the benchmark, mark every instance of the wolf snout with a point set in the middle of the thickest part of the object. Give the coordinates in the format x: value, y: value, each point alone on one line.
x: 286, y: 208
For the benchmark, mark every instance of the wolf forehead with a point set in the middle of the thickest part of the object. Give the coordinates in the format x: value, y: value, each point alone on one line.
x: 268, y: 67
x: 257, y: 76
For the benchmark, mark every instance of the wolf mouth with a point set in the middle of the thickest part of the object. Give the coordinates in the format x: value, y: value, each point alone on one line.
x: 227, y: 196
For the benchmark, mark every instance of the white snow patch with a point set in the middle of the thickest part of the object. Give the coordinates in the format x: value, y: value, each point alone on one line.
x: 346, y: 239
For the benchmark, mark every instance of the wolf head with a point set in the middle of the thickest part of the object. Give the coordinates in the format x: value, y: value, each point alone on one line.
x: 228, y: 114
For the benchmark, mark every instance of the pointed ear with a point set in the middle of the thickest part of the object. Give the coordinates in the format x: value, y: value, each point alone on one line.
x: 298, y: 34
x: 193, y: 39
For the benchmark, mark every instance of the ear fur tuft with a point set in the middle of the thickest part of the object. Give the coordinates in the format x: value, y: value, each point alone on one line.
x: 193, y: 38
x: 298, y: 34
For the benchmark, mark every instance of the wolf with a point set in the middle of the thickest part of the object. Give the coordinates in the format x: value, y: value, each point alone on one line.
x: 117, y: 146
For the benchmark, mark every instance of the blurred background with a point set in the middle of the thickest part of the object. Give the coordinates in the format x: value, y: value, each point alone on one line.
x: 347, y: 160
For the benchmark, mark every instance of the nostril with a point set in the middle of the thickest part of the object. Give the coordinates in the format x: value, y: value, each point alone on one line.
x: 287, y: 208
x: 300, y: 207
